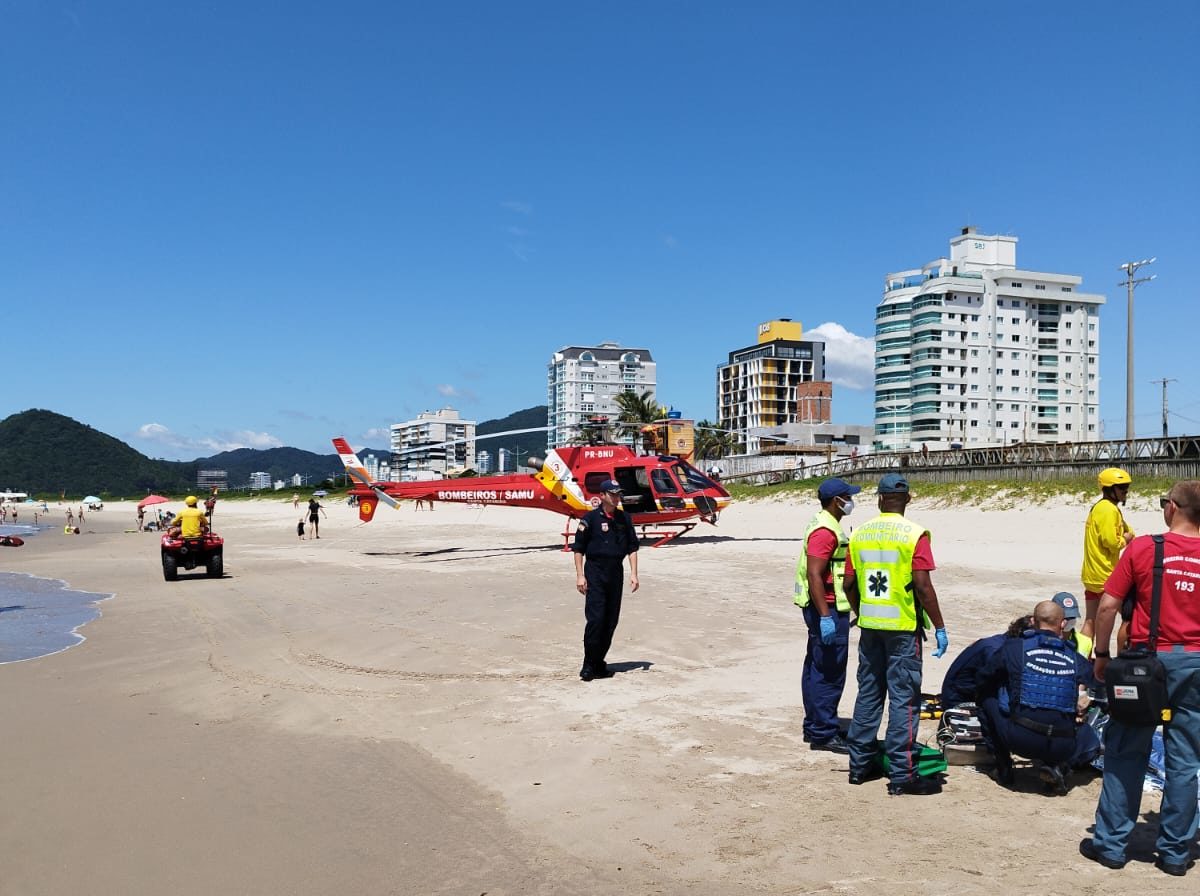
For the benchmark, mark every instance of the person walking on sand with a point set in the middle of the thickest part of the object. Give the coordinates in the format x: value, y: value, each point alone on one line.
x: 1127, y: 747
x: 300, y: 528
x: 295, y: 501
x: 70, y: 517
x: 888, y: 585
x: 603, y: 539
x: 819, y: 594
x: 315, y: 509
x: 1104, y: 537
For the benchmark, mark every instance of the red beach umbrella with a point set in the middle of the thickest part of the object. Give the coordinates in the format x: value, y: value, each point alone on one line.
x: 152, y: 499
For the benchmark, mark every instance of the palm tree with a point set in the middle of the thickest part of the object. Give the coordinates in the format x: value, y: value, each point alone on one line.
x: 713, y: 441
x: 637, y: 411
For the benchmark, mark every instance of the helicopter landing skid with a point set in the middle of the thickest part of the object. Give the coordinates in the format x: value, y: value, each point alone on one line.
x: 664, y: 532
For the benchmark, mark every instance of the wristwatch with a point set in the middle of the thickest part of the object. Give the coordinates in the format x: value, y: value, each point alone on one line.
x: 1101, y: 654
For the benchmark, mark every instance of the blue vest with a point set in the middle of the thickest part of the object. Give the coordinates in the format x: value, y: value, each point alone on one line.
x: 1048, y: 673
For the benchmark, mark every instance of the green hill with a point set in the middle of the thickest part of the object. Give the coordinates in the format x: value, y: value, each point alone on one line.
x: 46, y: 453
x: 529, y: 443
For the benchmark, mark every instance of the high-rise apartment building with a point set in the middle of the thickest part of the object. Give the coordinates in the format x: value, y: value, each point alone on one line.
x: 778, y: 380
x: 583, y: 381
x: 971, y: 349
x: 434, y: 443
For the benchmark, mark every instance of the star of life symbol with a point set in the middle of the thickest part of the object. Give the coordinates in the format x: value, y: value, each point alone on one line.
x: 877, y: 583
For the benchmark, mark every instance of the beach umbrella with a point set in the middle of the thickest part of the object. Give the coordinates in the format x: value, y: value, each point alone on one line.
x: 320, y: 493
x: 91, y: 499
x: 152, y: 499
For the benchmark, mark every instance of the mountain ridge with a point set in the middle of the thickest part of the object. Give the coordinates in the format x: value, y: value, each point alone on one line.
x: 46, y: 453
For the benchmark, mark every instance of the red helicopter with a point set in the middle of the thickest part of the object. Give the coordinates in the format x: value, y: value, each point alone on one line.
x: 664, y: 494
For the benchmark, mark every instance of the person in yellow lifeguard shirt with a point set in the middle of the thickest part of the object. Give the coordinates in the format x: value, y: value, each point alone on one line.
x: 191, y: 520
x: 1104, y: 537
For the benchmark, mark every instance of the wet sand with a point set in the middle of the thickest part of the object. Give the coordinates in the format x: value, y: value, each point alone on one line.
x: 395, y: 708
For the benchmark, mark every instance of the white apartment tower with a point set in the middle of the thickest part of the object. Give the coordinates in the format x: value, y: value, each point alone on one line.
x: 971, y: 349
x: 584, y: 381
x: 436, y: 442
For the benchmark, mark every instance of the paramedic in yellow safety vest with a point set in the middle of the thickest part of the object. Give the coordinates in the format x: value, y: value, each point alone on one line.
x: 1104, y: 537
x: 191, y: 520
x: 888, y: 584
x: 820, y: 595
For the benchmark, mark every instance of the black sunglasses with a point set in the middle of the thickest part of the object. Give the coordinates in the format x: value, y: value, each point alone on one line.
x: 1163, y: 502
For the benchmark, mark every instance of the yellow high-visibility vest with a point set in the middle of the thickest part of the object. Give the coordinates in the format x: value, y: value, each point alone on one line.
x: 837, y: 563
x: 882, y: 552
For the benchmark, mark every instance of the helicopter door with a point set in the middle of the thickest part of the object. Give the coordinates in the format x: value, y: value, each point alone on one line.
x: 636, y: 494
x: 666, y: 490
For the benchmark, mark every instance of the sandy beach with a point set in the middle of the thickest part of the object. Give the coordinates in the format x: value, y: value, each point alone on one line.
x: 395, y: 709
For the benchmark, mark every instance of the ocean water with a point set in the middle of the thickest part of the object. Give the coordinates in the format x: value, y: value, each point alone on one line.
x: 39, y: 617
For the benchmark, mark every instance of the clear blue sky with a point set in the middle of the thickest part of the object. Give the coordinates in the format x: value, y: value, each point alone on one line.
x: 262, y: 223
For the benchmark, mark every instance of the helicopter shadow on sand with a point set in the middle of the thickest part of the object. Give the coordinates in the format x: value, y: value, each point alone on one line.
x: 684, y: 540
x: 445, y: 555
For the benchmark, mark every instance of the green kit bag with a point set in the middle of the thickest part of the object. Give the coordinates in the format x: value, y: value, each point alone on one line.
x: 930, y: 762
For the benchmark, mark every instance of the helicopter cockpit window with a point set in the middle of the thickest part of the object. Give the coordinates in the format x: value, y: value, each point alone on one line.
x: 663, y: 483
x: 692, y: 479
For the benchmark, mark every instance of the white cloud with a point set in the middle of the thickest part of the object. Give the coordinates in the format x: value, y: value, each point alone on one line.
x: 376, y: 434
x: 849, y: 358
x: 446, y: 390
x: 221, y: 441
x: 521, y: 208
x: 670, y: 242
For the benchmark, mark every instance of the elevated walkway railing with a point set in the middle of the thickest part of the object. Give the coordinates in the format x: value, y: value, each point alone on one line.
x: 1177, y: 457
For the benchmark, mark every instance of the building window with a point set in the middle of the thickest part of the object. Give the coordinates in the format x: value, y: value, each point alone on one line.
x: 1015, y: 372
x: 1016, y: 339
x: 974, y: 422
x: 1000, y: 302
x: 1017, y: 285
x: 1014, y: 407
x: 974, y: 317
x: 587, y: 356
x: 974, y: 388
x: 974, y: 405
x: 974, y: 353
x: 1092, y: 327
x: 1016, y: 424
x: 1039, y: 286
x: 1066, y: 289
x: 1016, y: 320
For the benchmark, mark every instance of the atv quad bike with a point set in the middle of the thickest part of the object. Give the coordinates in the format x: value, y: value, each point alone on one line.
x: 187, y: 553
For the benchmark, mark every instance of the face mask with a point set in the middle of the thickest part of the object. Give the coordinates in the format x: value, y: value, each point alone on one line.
x: 847, y: 506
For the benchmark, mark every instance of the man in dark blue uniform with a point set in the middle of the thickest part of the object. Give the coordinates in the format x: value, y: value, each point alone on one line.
x: 605, y: 536
x: 1029, y: 699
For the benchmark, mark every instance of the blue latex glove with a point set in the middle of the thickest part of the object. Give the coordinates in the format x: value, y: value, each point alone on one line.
x: 828, y: 629
x: 943, y: 642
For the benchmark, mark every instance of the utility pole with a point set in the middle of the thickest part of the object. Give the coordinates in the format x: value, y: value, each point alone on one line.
x: 1164, y: 382
x: 1130, y: 268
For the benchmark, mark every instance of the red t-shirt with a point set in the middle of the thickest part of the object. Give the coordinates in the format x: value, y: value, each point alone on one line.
x: 1179, y: 611
x: 922, y: 556
x: 821, y: 545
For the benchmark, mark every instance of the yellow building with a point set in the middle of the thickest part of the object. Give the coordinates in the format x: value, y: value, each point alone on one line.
x: 778, y: 380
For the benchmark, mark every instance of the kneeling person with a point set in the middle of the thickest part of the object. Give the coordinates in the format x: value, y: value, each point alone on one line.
x: 1030, y: 697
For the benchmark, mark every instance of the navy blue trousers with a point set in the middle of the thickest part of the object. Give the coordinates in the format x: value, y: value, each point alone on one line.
x: 601, y: 608
x: 1007, y: 737
x: 824, y: 676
